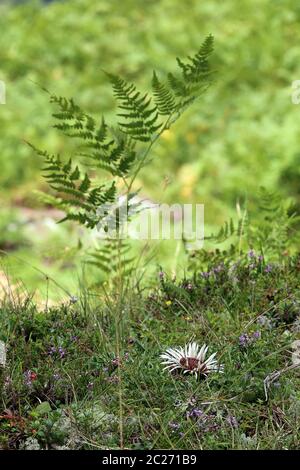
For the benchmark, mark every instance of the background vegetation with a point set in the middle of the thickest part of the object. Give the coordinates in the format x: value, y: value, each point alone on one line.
x: 244, y: 133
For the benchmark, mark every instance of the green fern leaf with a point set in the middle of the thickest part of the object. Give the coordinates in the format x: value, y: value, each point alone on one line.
x: 163, y: 97
x: 142, y: 116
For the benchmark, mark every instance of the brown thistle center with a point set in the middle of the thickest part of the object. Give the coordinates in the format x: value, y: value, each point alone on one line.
x: 190, y: 363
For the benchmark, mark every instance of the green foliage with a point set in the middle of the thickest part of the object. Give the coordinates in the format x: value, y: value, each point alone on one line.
x: 139, y: 114
x: 229, y: 229
x: 273, y: 231
x: 177, y: 94
x: 141, y: 117
x: 196, y: 75
x: 61, y: 385
x: 113, y: 154
x: 247, y: 127
x: 115, y: 150
x: 163, y: 97
x: 113, y: 257
x: 75, y: 194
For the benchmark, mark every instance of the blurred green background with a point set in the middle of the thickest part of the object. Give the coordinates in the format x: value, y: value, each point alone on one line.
x: 243, y: 134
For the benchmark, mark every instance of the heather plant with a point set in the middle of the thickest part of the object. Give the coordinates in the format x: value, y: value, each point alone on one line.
x: 256, y: 237
x: 63, y: 382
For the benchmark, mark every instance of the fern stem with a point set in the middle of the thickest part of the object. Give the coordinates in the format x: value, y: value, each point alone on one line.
x: 118, y: 338
x: 141, y: 163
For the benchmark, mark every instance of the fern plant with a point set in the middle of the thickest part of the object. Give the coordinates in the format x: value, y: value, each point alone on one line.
x: 119, y: 152
x: 274, y: 230
x: 271, y: 232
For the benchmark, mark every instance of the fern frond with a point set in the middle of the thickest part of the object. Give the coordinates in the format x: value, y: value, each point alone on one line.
x: 74, y: 192
x: 163, y: 97
x: 197, y: 68
x: 269, y: 201
x: 141, y: 117
x: 119, y: 151
x: 195, y: 76
x: 226, y: 231
x: 107, y: 153
x: 112, y: 257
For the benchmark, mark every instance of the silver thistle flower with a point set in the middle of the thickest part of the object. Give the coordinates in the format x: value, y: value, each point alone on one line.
x: 190, y: 360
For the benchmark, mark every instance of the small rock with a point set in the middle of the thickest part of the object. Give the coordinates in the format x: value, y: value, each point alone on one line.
x: 2, y: 354
x: 31, y: 444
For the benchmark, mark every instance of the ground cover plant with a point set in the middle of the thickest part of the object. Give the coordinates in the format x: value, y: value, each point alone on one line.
x: 65, y: 387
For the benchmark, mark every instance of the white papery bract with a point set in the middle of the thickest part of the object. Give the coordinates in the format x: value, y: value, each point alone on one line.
x: 190, y: 360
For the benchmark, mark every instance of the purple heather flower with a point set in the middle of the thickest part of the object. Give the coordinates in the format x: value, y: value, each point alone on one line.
x: 207, y: 423
x: 205, y: 274
x: 232, y: 421
x: 116, y: 362
x: 260, y: 258
x: 195, y: 413
x: 90, y: 385
x: 56, y: 376
x: 251, y: 254
x: 7, y: 382
x: 244, y: 340
x: 52, y: 350
x: 256, y: 335
x: 29, y: 377
x: 218, y: 268
x: 62, y: 352
x: 113, y: 380
x: 264, y: 321
x: 161, y: 275
x: 268, y: 268
x: 174, y: 426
